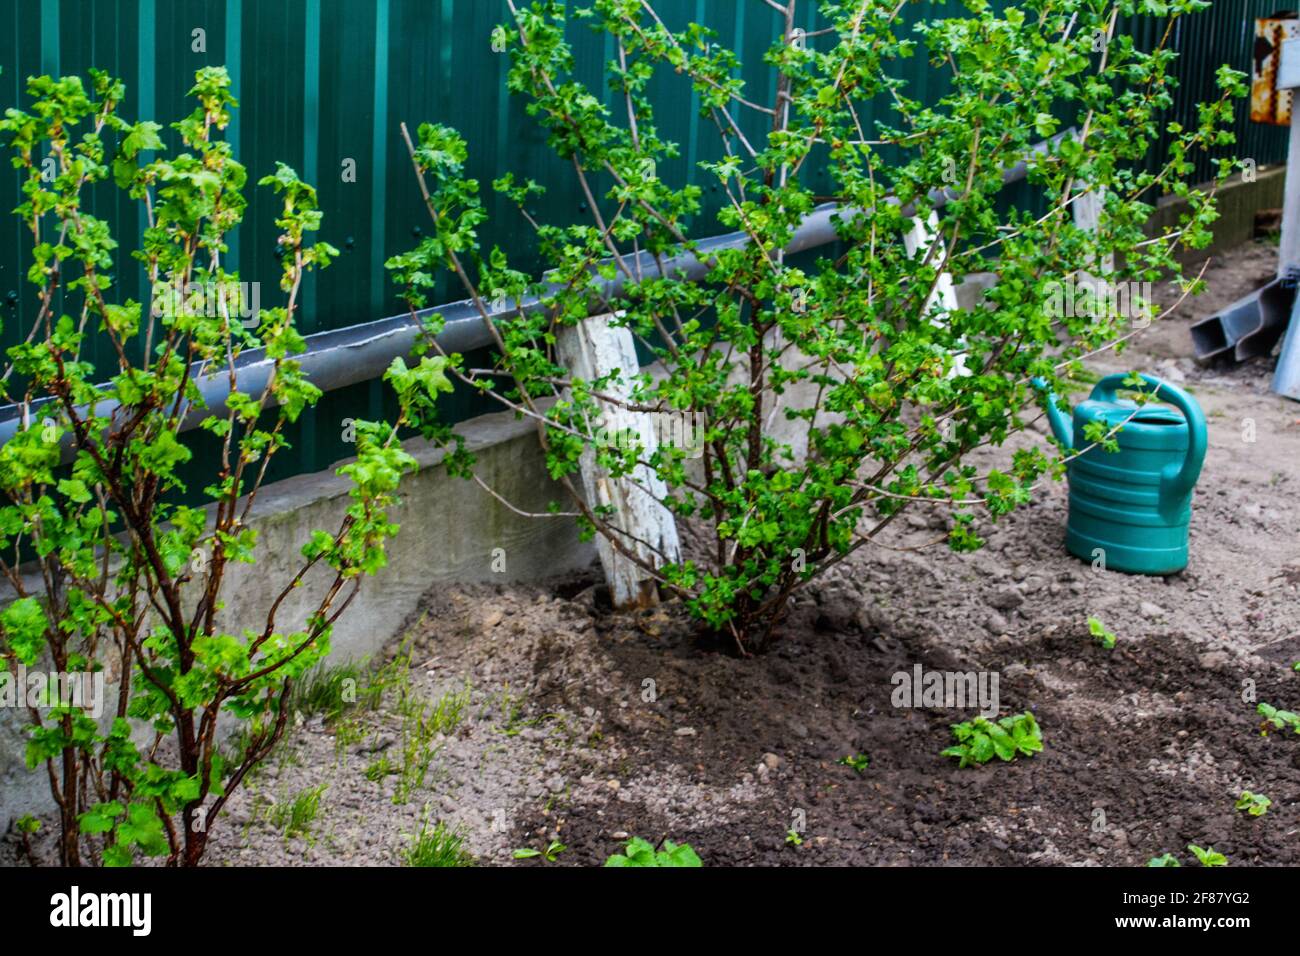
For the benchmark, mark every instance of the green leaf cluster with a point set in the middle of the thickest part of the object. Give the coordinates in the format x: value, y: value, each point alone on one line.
x: 639, y: 852
x: 981, y: 739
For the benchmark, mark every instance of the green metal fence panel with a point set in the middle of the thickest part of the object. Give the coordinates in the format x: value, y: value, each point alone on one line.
x: 324, y: 84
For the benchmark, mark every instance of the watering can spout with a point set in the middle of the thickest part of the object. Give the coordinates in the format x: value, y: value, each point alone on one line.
x: 1061, y: 426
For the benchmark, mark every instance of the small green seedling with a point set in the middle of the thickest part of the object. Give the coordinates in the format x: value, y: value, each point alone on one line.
x: 980, y: 740
x: 793, y: 838
x: 859, y: 762
x: 639, y: 852
x: 550, y: 854
x: 1256, y: 804
x: 1165, y: 859
x: 1277, y: 719
x: 1208, y: 856
x: 1106, y: 638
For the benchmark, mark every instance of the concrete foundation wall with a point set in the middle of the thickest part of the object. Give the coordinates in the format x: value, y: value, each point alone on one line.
x: 1237, y: 200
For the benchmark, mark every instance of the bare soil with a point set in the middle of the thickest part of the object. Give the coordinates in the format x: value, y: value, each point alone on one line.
x: 584, y: 726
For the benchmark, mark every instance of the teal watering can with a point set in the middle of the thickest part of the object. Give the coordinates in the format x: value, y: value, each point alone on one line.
x: 1131, y: 508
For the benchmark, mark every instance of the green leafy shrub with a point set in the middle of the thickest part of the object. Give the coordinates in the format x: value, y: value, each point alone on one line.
x: 839, y: 388
x: 130, y: 577
x: 640, y: 852
x: 980, y: 740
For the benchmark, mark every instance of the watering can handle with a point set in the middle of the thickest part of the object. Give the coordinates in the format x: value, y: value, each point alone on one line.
x: 1178, y: 480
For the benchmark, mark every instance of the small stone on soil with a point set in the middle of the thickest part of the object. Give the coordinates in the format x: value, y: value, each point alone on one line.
x: 1007, y: 599
x: 1152, y: 612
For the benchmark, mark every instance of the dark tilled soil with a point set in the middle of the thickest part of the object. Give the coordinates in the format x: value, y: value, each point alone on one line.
x: 1147, y: 746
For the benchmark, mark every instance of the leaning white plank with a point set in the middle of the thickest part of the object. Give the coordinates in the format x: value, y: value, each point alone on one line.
x: 593, y: 349
x: 1087, y: 216
x: 918, y: 241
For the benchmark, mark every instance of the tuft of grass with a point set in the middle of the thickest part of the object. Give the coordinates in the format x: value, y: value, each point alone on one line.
x: 421, y: 724
x: 394, y: 677
x: 295, y: 817
x: 347, y: 732
x: 511, y: 709
x: 449, y: 712
x: 248, y: 737
x: 329, y: 689
x: 437, y: 845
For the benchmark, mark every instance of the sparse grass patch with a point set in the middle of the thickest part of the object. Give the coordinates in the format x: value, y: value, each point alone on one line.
x: 294, y: 817
x: 421, y: 724
x: 437, y: 845
x: 329, y: 689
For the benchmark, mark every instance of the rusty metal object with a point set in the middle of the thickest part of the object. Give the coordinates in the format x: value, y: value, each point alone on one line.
x: 1268, y: 104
